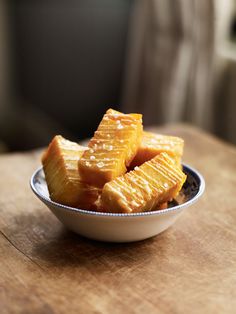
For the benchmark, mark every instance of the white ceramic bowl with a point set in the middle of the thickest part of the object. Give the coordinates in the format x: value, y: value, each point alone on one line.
x: 120, y: 227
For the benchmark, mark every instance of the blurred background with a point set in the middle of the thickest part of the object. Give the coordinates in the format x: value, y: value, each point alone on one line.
x: 63, y: 63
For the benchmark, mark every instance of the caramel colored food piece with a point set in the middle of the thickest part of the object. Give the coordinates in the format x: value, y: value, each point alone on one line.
x: 60, y: 164
x: 161, y: 206
x: 112, y: 148
x: 143, y: 189
x: 153, y: 144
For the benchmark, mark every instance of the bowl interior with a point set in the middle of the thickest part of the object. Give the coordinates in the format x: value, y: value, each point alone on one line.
x: 191, y: 190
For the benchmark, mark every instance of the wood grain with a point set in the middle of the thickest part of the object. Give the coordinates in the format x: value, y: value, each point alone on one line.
x: 190, y: 268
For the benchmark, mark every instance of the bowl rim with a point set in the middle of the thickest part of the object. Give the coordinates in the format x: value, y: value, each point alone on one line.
x: 48, y: 201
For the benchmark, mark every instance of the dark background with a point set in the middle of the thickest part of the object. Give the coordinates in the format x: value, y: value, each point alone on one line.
x: 63, y: 63
x: 68, y: 61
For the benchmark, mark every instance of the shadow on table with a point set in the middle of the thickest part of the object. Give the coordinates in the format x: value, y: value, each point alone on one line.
x: 42, y: 238
x: 70, y: 249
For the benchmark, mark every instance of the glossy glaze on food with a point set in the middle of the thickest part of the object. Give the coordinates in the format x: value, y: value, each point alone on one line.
x: 112, y: 148
x: 60, y: 164
x: 143, y: 189
x: 153, y: 144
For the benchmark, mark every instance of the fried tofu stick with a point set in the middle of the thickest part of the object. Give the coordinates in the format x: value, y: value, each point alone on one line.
x: 112, y: 148
x: 153, y: 144
x: 145, y: 188
x: 60, y: 164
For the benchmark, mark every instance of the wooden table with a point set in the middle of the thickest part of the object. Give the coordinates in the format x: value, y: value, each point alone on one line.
x: 190, y: 268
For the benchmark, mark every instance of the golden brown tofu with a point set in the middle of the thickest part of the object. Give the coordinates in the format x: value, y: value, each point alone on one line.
x: 145, y: 188
x: 161, y: 206
x: 112, y: 148
x: 60, y: 164
x: 153, y: 144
